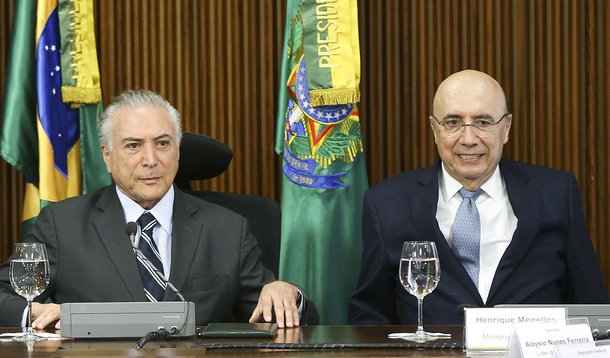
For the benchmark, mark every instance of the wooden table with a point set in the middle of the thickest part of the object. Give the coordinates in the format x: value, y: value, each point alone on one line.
x: 316, y: 341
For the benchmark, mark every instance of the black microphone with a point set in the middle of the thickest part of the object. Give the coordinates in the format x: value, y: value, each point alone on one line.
x: 131, y: 229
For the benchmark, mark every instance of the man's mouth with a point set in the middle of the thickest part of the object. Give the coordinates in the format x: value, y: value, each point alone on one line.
x: 150, y: 179
x: 470, y: 156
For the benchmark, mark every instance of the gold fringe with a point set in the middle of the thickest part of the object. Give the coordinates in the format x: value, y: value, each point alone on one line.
x: 79, y: 95
x: 350, y: 153
x: 334, y: 96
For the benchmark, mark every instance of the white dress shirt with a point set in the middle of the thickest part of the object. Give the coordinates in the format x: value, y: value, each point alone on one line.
x: 163, y: 212
x: 498, y: 221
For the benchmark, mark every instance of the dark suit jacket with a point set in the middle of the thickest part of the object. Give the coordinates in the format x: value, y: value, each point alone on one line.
x: 216, y: 262
x: 549, y: 260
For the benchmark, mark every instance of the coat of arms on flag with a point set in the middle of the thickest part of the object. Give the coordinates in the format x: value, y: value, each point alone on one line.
x: 317, y: 136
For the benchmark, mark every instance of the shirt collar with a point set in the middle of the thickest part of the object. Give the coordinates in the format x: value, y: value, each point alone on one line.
x: 449, y: 186
x: 163, y: 211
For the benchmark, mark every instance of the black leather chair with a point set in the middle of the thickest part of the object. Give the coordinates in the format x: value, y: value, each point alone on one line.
x: 203, y: 157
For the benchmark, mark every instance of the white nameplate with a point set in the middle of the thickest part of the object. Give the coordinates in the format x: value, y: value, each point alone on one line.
x: 489, y: 329
x: 582, y: 350
x: 534, y: 340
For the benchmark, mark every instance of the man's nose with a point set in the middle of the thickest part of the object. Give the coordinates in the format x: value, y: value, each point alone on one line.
x: 469, y: 135
x: 149, y: 155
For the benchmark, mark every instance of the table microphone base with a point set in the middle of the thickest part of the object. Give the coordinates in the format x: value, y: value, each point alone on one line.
x: 126, y: 319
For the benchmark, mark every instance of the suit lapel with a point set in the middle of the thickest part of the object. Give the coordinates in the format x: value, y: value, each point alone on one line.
x: 525, y: 204
x: 423, y: 207
x: 111, y: 232
x: 185, y: 238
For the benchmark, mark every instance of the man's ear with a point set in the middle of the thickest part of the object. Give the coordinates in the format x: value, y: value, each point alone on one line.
x: 509, y: 120
x: 106, y: 155
x: 434, y: 128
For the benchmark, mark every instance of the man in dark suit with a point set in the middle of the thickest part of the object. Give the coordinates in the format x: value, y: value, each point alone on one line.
x: 531, y: 241
x: 208, y: 251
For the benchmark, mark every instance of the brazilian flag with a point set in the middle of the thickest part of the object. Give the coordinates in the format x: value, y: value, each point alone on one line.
x: 53, y: 98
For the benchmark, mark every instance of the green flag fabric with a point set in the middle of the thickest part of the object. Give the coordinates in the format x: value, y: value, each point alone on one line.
x: 53, y: 143
x: 18, y: 141
x: 93, y: 166
x: 323, y: 166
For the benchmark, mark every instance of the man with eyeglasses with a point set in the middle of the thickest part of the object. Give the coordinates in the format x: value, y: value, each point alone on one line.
x: 519, y: 238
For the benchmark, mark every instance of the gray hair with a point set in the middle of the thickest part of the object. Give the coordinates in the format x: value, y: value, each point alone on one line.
x: 135, y: 98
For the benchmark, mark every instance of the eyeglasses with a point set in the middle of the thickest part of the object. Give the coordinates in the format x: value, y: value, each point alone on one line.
x: 483, y: 126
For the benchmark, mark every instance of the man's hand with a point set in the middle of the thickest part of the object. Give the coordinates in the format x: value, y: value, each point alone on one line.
x: 45, y: 314
x: 278, y: 297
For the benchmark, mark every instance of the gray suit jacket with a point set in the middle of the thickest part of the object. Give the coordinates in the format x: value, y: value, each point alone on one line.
x: 216, y: 262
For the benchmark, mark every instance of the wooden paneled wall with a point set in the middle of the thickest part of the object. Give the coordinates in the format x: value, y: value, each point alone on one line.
x: 217, y: 61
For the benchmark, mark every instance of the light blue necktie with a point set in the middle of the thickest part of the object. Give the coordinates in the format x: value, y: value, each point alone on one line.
x: 467, y: 233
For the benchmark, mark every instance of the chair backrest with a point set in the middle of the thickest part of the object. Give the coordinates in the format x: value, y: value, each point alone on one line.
x: 203, y: 157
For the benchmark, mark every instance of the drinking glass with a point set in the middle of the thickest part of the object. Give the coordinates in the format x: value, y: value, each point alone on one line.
x: 420, y: 272
x: 29, y: 275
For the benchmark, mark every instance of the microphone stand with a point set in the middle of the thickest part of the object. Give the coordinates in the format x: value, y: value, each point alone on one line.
x: 131, y: 230
x: 158, y: 273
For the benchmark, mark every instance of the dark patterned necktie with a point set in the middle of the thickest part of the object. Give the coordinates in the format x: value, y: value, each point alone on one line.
x: 467, y: 233
x: 154, y: 286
